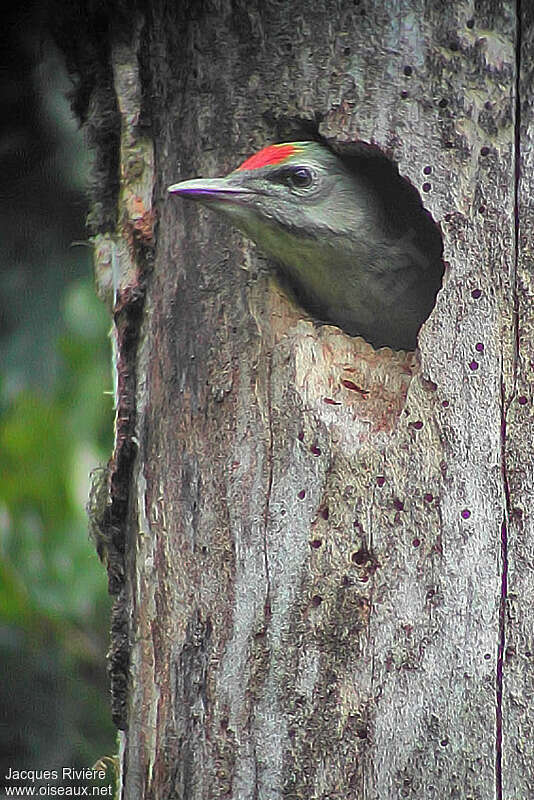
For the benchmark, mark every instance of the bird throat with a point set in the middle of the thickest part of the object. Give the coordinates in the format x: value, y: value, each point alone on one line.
x: 328, y: 279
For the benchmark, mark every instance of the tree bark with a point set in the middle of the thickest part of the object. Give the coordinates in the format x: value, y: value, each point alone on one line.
x: 322, y: 553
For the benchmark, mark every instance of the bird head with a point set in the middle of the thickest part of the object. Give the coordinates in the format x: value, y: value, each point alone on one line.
x: 298, y: 187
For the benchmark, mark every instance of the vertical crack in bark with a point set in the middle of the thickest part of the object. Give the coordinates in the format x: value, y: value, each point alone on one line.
x: 267, y: 604
x: 267, y: 613
x: 500, y: 657
x: 505, y: 405
x: 517, y: 177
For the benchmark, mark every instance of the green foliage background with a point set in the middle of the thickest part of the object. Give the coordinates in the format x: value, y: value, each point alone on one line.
x: 56, y: 419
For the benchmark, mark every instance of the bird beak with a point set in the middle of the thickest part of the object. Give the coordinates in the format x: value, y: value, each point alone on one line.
x: 208, y: 189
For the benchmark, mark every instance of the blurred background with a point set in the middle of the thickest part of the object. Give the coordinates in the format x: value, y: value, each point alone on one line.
x: 56, y: 420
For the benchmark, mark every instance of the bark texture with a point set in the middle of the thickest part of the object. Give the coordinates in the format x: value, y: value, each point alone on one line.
x: 326, y: 586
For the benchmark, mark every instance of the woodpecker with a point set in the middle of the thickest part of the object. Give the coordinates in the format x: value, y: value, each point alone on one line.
x: 352, y: 238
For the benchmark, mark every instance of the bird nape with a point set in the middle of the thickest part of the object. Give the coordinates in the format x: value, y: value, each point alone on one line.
x: 358, y: 253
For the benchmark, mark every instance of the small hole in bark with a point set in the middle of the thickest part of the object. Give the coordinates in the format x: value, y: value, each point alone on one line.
x: 417, y: 425
x: 427, y: 170
x: 398, y: 504
x: 445, y: 403
x: 470, y: 23
x: 324, y: 513
x: 484, y: 151
x: 408, y: 70
x: 316, y: 543
x: 479, y: 347
x: 380, y: 480
x: 476, y: 293
x: 466, y: 513
x: 316, y: 600
x: 487, y: 656
x: 316, y: 451
x: 300, y: 436
x: 302, y: 494
x: 453, y: 46
x: 428, y: 497
x: 360, y: 557
x: 522, y: 400
x: 444, y: 742
x: 404, y: 94
x: 346, y: 51
x: 416, y: 542
x: 426, y: 187
x: 473, y: 365
x: 482, y: 209
x: 443, y: 103
x: 354, y: 387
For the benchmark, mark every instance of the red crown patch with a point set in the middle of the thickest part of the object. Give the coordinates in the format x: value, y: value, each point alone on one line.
x: 273, y: 154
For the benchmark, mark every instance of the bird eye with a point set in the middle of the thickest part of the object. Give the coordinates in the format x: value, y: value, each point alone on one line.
x: 300, y: 178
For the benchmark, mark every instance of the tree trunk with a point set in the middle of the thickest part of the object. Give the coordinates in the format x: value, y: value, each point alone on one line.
x: 322, y: 553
